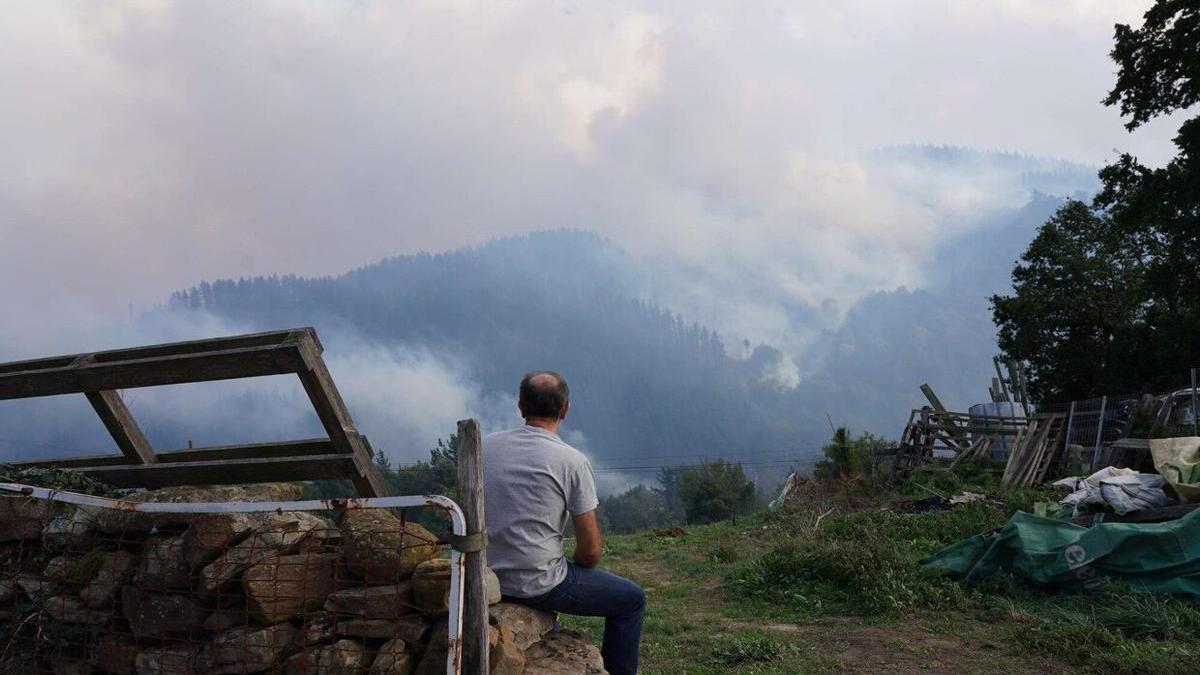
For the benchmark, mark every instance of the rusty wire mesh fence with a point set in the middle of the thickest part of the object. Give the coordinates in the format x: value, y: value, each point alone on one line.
x: 101, y: 586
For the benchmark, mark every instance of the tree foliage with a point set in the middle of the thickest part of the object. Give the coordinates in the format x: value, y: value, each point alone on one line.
x: 715, y: 491
x: 850, y: 459
x: 638, y: 508
x: 1107, y: 297
x: 1074, y: 316
x: 1159, y: 63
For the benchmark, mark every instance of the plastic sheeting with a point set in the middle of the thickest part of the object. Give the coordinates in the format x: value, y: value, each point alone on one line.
x: 1122, y: 490
x: 1162, y: 557
x: 1178, y: 461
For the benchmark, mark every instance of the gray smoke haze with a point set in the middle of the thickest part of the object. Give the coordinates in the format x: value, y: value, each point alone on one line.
x: 146, y: 146
x: 149, y: 145
x: 403, y: 398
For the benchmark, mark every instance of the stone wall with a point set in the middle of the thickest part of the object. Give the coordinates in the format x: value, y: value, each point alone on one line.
x: 85, y: 590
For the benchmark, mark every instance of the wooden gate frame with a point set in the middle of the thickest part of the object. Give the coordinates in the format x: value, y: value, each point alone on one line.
x: 345, y: 454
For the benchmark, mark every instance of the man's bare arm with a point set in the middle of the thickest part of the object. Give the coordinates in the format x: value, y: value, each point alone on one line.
x: 589, y: 542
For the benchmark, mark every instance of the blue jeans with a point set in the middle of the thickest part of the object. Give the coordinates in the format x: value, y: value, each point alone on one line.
x: 591, y: 592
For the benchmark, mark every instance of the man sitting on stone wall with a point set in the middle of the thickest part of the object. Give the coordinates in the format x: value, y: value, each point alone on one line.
x: 532, y: 482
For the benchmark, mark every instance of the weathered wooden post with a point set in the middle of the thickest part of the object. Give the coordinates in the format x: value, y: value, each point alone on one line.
x: 470, y: 491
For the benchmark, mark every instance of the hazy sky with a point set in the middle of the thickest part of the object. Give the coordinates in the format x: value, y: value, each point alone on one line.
x: 145, y: 146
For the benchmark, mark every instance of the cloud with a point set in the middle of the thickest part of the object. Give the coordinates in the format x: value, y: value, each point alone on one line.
x: 146, y: 146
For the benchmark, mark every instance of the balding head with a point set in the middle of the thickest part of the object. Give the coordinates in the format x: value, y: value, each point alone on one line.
x: 543, y: 395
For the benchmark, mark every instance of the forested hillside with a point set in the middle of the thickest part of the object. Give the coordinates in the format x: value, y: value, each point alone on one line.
x: 417, y: 340
x: 646, y: 385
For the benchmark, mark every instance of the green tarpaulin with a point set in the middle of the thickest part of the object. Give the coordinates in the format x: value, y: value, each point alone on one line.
x: 1163, y: 557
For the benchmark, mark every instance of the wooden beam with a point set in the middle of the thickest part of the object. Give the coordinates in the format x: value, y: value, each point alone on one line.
x: 326, y: 399
x: 367, y: 481
x: 121, y: 426
x: 149, y: 372
x: 74, y: 462
x: 932, y: 397
x: 470, y: 491
x: 302, y: 448
x: 226, y: 471
x: 297, y: 351
x: 166, y: 349
x: 335, y: 416
x: 959, y: 437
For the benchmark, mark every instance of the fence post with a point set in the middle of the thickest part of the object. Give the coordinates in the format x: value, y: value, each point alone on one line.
x: 470, y: 492
x: 1195, y: 410
x: 1067, y: 440
x: 1099, y: 433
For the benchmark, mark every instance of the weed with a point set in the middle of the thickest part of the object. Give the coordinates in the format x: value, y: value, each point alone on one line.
x: 747, y: 648
x: 723, y: 555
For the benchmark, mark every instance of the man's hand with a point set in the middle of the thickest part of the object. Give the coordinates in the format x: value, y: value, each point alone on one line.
x: 589, y: 542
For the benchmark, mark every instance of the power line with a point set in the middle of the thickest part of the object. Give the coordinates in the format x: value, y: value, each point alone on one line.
x: 634, y: 469
x: 704, y: 456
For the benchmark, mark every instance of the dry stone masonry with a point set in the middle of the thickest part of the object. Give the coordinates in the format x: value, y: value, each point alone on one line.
x: 91, y: 591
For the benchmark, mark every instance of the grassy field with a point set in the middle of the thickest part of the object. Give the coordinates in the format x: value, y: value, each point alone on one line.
x: 796, y: 592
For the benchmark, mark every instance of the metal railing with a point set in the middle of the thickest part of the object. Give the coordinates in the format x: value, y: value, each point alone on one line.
x: 99, y: 575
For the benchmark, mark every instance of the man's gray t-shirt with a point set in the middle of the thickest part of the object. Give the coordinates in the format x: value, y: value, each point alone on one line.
x: 533, y: 482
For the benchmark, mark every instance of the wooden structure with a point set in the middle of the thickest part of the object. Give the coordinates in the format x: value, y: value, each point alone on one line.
x: 1036, y: 441
x: 344, y: 454
x: 1037, y: 450
x: 1011, y: 389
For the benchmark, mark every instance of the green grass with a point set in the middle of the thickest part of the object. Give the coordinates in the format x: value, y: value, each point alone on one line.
x: 775, y: 594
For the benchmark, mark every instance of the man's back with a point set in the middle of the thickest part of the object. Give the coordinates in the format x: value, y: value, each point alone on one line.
x: 533, y: 482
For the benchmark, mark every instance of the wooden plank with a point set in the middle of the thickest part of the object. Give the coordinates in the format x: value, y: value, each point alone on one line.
x: 470, y: 490
x: 335, y: 416
x: 963, y: 417
x: 1007, y: 396
x: 932, y: 398
x: 121, y: 426
x: 1016, y: 379
x: 367, y: 479
x: 1038, y: 452
x: 959, y: 436
x: 311, y: 446
x: 301, y: 448
x: 149, y: 372
x: 323, y: 394
x: 73, y: 462
x: 1054, y: 449
x: 226, y: 471
x: 1016, y: 454
x: 165, y: 349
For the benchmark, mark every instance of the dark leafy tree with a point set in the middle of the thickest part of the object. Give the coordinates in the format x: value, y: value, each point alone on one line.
x: 638, y: 508
x: 1159, y: 62
x: 1107, y: 299
x: 668, y: 487
x: 1075, y: 314
x: 715, y: 491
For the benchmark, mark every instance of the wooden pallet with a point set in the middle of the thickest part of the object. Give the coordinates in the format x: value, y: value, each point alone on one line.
x: 345, y: 454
